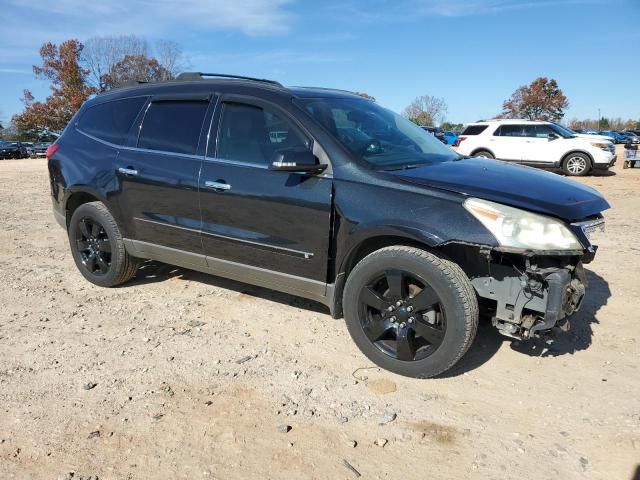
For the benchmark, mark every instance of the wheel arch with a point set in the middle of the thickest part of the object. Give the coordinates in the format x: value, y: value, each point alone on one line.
x: 369, y: 244
x: 576, y: 150
x: 482, y: 149
x: 80, y: 196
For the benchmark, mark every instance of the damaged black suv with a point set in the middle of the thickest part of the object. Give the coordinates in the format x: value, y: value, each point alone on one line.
x: 326, y: 195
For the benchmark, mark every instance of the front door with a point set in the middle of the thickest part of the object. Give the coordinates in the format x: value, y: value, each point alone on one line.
x: 272, y: 225
x: 542, y: 145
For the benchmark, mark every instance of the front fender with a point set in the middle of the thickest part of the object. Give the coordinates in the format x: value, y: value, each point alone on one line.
x: 429, y: 217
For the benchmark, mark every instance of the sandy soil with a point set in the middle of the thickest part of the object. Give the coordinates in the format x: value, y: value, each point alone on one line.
x: 200, y: 377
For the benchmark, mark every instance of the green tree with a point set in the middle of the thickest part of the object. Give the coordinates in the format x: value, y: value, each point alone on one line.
x: 452, y: 126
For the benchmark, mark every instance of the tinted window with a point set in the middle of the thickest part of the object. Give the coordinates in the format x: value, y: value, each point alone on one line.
x: 173, y: 126
x: 538, y: 131
x: 511, y: 131
x: 111, y: 121
x: 474, y: 129
x: 251, y: 134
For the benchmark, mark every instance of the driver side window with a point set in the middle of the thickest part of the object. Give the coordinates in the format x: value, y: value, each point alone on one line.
x: 251, y: 134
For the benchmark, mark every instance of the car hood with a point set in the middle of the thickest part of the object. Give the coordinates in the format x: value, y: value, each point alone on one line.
x: 593, y: 136
x: 510, y: 184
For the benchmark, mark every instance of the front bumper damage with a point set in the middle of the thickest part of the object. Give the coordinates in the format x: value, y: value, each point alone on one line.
x: 527, y: 297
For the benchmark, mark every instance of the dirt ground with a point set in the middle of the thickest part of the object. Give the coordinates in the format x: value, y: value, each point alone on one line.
x: 182, y: 375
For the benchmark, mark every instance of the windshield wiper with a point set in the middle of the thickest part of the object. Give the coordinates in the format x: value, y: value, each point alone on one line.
x: 402, y: 167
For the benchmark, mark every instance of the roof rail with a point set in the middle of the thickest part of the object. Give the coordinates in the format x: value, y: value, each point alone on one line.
x: 190, y: 76
x: 328, y: 89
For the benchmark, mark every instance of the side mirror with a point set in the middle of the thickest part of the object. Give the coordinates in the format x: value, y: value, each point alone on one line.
x: 292, y: 160
x: 553, y: 136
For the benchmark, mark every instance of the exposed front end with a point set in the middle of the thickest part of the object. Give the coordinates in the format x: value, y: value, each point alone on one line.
x: 529, y: 291
x: 529, y: 296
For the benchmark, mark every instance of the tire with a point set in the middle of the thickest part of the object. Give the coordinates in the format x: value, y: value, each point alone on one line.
x: 576, y: 164
x: 444, y: 304
x: 483, y: 154
x: 97, y: 246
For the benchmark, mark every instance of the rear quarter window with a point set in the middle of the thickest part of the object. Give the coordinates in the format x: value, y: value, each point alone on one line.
x: 111, y: 121
x: 474, y: 130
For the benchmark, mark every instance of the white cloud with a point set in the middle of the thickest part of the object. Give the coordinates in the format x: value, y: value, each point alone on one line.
x: 459, y: 8
x: 252, y: 17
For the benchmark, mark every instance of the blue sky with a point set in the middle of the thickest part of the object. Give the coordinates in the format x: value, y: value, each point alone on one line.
x: 473, y: 53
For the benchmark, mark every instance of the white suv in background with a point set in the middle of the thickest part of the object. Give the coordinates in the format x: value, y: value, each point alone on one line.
x: 541, y: 144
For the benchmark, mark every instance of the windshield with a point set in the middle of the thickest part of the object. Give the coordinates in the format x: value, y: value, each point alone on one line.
x: 563, y: 131
x: 382, y: 138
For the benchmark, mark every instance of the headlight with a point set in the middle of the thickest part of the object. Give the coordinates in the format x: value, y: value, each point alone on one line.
x: 517, y: 228
x: 603, y: 145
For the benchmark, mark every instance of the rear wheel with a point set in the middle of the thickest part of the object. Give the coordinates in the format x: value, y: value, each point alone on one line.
x: 410, y: 311
x: 97, y: 246
x: 483, y: 154
x: 576, y: 164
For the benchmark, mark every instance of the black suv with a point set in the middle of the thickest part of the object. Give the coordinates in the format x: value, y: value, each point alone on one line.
x: 435, y: 131
x: 325, y: 195
x: 13, y: 150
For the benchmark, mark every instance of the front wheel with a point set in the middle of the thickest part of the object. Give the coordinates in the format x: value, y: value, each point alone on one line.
x: 483, y: 154
x: 576, y: 164
x: 409, y: 311
x: 97, y: 246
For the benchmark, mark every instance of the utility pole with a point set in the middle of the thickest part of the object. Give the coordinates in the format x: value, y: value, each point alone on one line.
x: 598, y: 119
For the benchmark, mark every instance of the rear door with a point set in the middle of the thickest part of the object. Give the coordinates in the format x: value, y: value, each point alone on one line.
x: 509, y: 142
x: 276, y: 223
x: 159, y: 176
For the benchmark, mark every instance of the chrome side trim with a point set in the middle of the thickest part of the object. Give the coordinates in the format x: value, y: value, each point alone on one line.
x: 236, y: 163
x: 262, y: 277
x: 251, y: 243
x: 217, y: 185
x: 165, y: 224
x: 136, y: 149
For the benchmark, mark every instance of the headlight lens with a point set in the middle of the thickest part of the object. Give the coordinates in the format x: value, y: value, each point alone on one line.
x: 517, y: 228
x: 603, y: 145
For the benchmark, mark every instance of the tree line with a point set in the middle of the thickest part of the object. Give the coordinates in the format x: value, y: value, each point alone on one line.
x: 78, y: 70
x: 542, y: 99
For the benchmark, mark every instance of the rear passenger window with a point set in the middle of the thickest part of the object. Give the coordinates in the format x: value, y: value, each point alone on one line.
x: 474, y: 129
x: 111, y: 121
x: 173, y: 126
x: 511, y: 131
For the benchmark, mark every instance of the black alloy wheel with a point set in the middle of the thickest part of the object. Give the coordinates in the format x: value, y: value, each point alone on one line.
x: 93, y: 246
x: 402, y: 315
x: 410, y: 311
x: 98, y: 247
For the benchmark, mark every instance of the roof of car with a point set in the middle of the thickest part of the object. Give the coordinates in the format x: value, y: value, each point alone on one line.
x: 508, y: 121
x: 204, y: 84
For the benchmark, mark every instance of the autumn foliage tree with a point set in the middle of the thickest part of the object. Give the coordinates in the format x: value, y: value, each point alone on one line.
x: 69, y: 89
x: 426, y: 110
x: 135, y: 68
x: 541, y: 100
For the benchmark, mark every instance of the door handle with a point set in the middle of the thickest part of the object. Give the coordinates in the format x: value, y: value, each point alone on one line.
x: 219, y: 186
x: 128, y: 171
